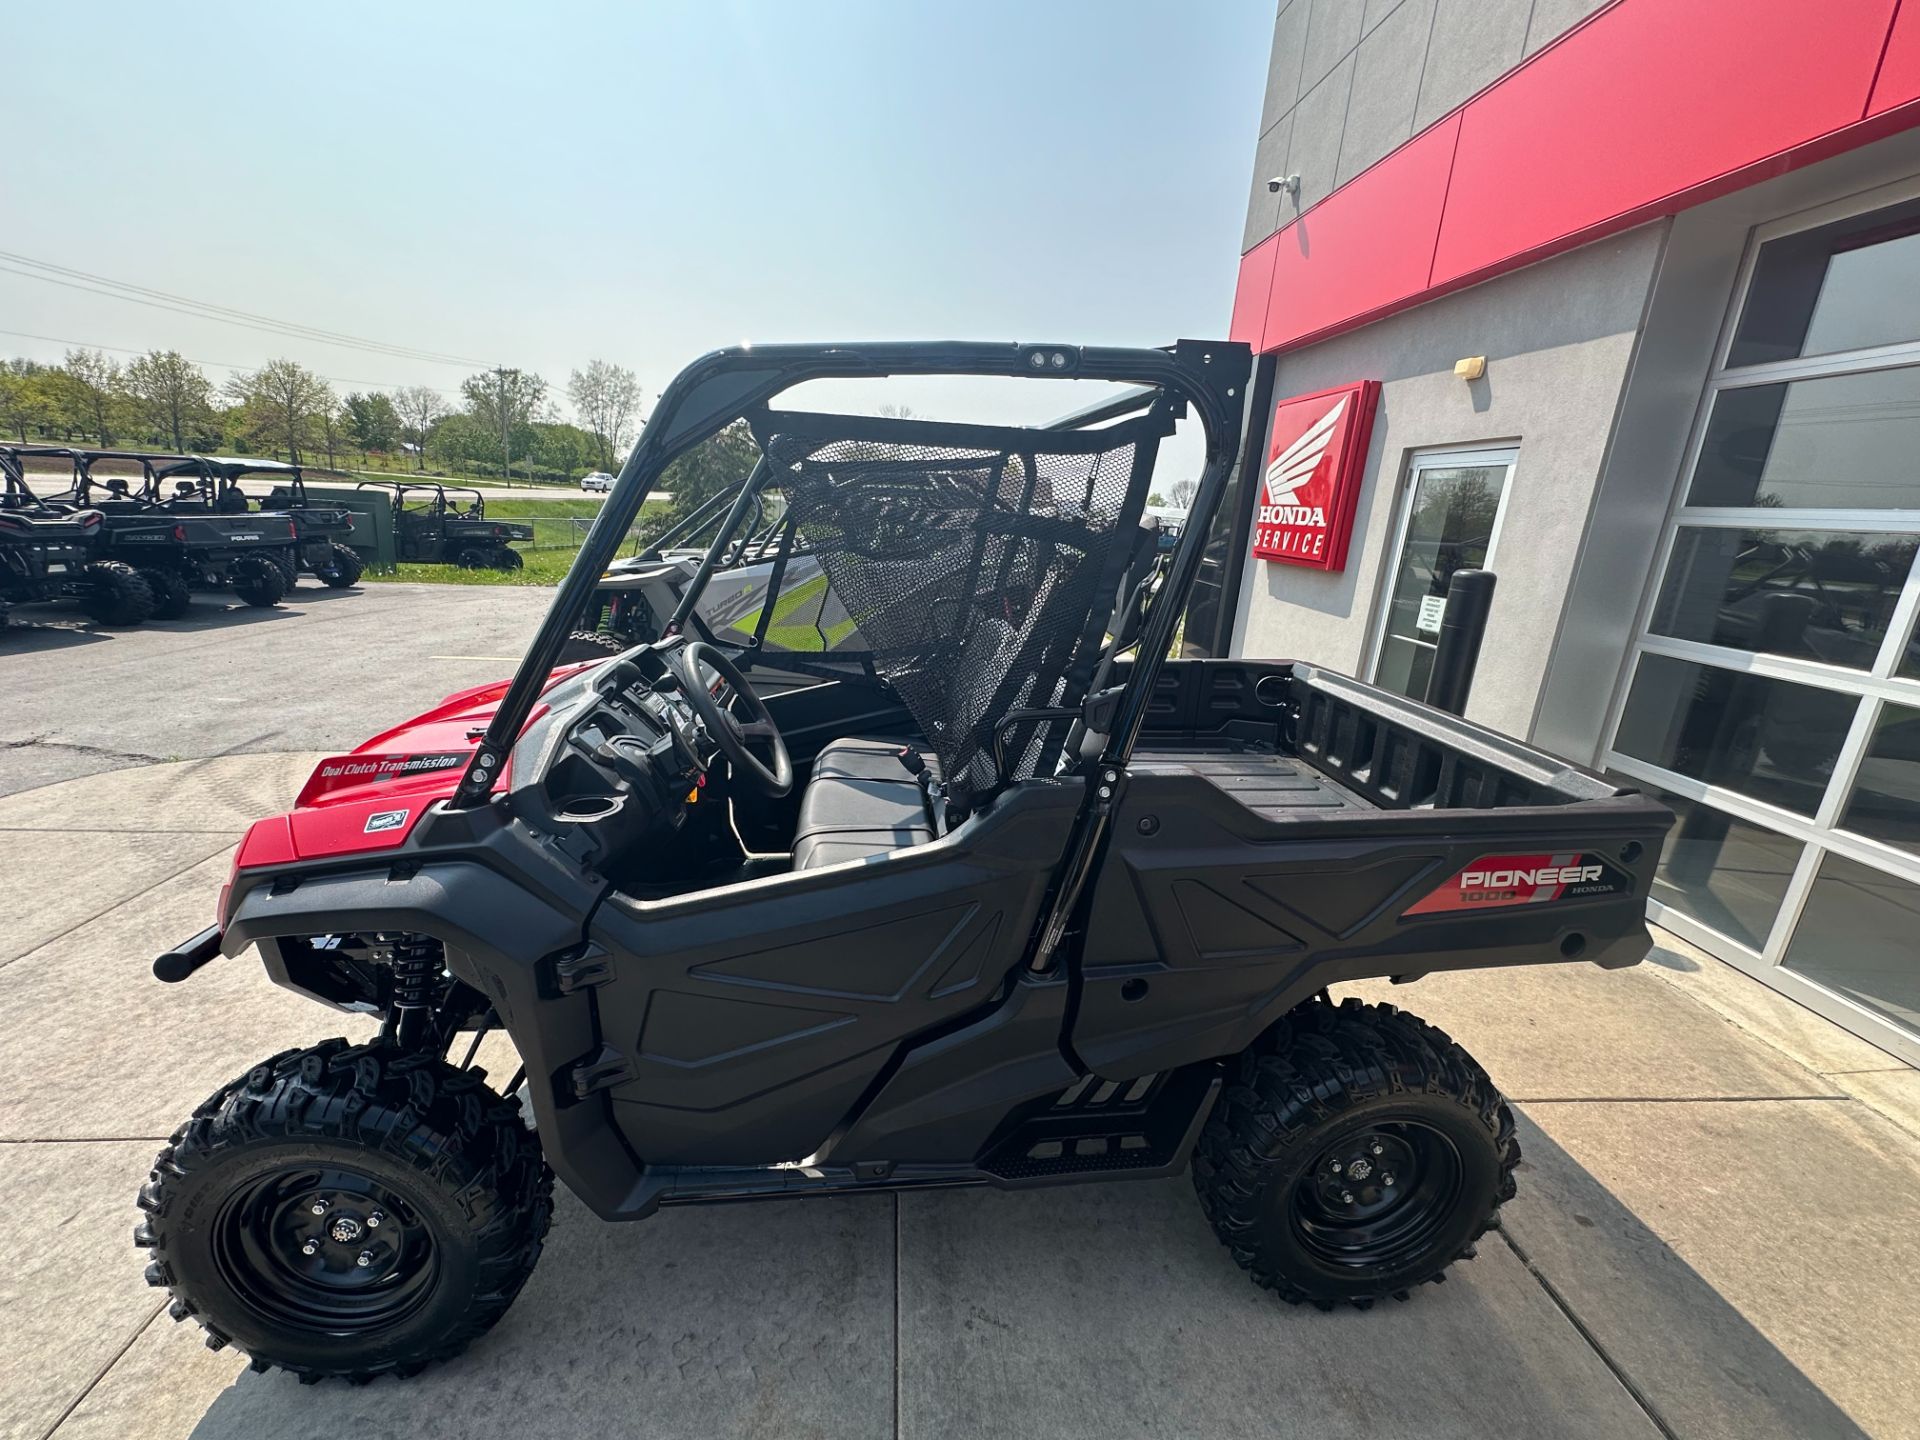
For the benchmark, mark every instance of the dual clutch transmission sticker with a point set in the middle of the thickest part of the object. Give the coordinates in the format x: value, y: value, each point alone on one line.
x: 1498, y: 880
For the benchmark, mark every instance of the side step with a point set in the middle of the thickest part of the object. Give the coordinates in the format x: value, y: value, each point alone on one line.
x: 1094, y: 1130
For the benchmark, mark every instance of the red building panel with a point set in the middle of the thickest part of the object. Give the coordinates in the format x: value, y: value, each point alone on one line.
x: 1652, y: 99
x: 1899, y: 80
x: 1364, y: 248
x: 1250, y: 294
x: 1648, y: 107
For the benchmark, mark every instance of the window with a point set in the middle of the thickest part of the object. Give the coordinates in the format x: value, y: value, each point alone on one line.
x: 1773, y: 697
x: 1819, y: 595
x: 1449, y: 521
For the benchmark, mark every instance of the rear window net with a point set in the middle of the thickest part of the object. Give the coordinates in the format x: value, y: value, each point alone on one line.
x: 980, y: 563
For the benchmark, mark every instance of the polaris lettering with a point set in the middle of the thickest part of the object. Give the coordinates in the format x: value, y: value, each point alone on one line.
x: 1545, y: 875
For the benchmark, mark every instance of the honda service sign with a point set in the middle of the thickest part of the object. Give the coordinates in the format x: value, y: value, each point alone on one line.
x: 1312, y: 482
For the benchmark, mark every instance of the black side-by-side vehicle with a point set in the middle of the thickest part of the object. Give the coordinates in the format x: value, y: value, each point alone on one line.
x: 48, y: 554
x: 1010, y: 898
x: 177, y: 540
x: 323, y: 534
x: 436, y: 524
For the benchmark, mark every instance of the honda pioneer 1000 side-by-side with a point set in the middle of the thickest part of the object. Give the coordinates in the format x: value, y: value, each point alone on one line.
x: 1014, y: 899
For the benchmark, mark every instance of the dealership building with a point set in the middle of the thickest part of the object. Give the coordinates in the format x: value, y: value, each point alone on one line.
x: 1622, y: 303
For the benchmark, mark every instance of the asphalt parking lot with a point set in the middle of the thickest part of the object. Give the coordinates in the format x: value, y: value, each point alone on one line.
x: 1717, y: 1231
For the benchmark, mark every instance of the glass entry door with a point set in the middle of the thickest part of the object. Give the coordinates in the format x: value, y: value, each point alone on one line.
x: 1449, y: 521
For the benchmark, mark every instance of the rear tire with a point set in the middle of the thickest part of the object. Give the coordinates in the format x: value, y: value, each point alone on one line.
x: 171, y: 597
x: 1293, y: 1167
x: 258, y: 580
x: 289, y: 567
x: 353, y: 1152
x: 507, y: 558
x: 342, y: 569
x: 475, y: 557
x: 117, y: 595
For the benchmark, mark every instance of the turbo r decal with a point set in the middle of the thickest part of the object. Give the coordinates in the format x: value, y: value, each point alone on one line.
x: 385, y: 820
x: 1493, y: 881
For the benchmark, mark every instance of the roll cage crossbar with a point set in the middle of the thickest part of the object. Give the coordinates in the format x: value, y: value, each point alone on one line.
x: 726, y: 385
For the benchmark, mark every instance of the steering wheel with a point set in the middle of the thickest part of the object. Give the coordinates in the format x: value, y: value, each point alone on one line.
x: 725, y: 729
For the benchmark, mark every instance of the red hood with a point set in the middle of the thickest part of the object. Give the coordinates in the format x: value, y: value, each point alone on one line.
x: 372, y: 797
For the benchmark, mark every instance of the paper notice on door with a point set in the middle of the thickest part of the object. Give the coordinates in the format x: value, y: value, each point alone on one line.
x: 1432, y: 607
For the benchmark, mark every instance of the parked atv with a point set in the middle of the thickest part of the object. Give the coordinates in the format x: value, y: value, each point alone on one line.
x: 323, y: 533
x: 448, y: 525
x: 176, y: 540
x: 48, y: 555
x: 1046, y: 905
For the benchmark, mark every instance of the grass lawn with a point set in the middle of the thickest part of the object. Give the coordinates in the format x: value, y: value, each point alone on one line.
x: 556, y: 540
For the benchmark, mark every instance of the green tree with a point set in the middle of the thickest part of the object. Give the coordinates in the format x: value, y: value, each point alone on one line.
x: 169, y: 395
x: 372, y: 421
x: 93, y: 393
x: 715, y: 464
x: 420, y: 408
x: 282, y: 404
x: 608, y: 399
x: 26, y: 401
x: 509, y: 401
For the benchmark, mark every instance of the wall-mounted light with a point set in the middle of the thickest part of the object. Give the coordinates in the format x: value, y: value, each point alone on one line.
x: 1471, y: 368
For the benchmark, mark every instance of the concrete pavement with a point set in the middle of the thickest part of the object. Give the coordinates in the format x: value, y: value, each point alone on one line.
x: 1715, y: 1233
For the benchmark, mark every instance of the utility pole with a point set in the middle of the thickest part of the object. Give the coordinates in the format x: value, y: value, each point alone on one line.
x: 501, y: 373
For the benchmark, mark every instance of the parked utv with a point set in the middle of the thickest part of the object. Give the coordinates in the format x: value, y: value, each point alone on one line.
x: 1045, y: 905
x: 323, y: 533
x: 47, y: 554
x: 447, y: 525
x: 178, y: 540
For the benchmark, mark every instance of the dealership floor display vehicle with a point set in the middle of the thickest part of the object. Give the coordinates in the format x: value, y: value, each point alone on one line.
x: 323, y: 534
x: 1013, y: 899
x: 46, y: 554
x: 448, y: 525
x: 175, y: 539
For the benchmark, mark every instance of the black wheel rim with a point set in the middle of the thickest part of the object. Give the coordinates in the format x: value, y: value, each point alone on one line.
x: 328, y: 1251
x: 1376, y: 1198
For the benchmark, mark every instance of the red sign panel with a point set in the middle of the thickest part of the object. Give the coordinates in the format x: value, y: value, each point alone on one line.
x: 1307, y: 496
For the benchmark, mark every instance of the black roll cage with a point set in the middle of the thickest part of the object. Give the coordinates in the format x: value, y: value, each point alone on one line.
x: 438, y: 491
x: 726, y: 385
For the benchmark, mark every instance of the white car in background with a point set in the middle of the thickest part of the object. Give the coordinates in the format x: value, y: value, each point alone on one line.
x: 598, y: 480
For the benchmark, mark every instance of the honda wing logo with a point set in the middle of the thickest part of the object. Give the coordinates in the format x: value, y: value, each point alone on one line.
x: 1294, y: 466
x: 1317, y: 449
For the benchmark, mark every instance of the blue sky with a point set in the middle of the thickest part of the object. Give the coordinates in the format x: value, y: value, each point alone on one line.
x: 640, y: 182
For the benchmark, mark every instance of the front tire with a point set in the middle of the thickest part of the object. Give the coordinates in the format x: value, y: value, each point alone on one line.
x: 1361, y: 1153
x: 347, y: 1211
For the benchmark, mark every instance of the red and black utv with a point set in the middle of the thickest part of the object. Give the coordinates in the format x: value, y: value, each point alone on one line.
x: 1009, y: 898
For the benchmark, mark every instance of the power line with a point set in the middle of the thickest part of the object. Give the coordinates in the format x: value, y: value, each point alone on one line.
x: 50, y: 273
x: 216, y: 364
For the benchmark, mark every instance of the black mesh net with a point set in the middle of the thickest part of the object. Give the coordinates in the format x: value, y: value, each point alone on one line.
x: 980, y: 563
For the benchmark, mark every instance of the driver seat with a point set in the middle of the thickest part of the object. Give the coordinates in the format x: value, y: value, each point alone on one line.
x: 861, y: 803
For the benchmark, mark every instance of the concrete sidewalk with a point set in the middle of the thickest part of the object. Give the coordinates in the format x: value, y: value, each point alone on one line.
x: 1717, y: 1232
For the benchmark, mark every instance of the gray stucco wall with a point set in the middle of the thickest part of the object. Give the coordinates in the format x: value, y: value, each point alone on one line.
x: 1559, y: 338
x: 1351, y: 80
